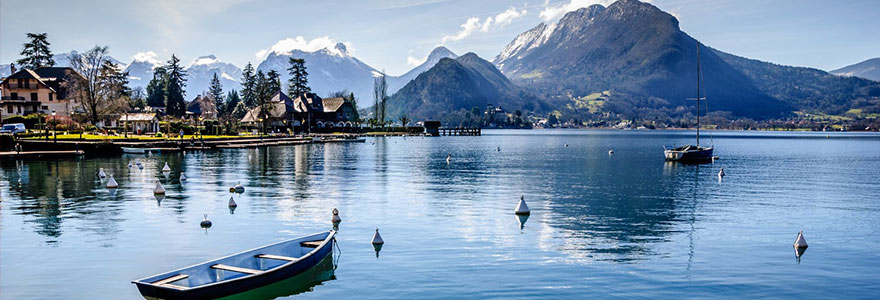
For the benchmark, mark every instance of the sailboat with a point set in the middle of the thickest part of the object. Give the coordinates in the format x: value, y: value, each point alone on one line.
x: 692, y: 153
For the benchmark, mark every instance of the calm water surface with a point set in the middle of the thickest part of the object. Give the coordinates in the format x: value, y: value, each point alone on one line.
x: 626, y: 225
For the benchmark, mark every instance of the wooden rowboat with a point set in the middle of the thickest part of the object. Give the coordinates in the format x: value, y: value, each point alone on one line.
x: 133, y: 150
x: 240, y: 272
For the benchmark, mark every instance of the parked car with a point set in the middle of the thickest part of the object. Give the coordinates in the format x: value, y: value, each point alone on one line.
x: 13, y: 128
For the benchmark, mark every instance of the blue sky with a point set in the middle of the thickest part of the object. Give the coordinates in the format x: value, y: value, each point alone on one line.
x: 396, y: 34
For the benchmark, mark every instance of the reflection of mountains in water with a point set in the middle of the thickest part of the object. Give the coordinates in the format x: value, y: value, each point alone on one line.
x: 302, y: 283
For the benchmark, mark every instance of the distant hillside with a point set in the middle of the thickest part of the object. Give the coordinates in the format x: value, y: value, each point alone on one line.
x: 869, y: 69
x: 395, y: 83
x: 455, y: 85
x: 806, y: 89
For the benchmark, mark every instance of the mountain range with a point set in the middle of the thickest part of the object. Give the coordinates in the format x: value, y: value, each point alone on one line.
x: 868, y: 69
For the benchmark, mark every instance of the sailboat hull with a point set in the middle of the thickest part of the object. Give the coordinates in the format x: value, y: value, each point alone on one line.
x: 689, y: 154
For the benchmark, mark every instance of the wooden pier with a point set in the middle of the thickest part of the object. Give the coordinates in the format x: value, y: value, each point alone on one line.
x: 461, y: 131
x: 40, y: 154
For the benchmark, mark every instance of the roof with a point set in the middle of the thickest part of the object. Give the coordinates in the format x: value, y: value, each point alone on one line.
x: 254, y: 115
x: 137, y: 117
x: 201, y: 105
x: 51, y: 77
x: 333, y: 104
x: 309, y: 102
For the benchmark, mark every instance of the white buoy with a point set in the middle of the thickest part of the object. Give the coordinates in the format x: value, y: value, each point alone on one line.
x: 166, y: 168
x: 566, y: 145
x: 721, y: 173
x: 522, y: 208
x: 205, y: 222
x: 448, y: 158
x: 239, y: 188
x: 148, y: 153
x: 159, y: 189
x: 111, y: 184
x: 800, y: 242
x: 499, y: 149
x: 101, y: 173
x: 611, y: 151
x: 232, y: 202
x: 129, y: 164
x: 377, y: 239
x: 336, y: 219
x: 182, y: 176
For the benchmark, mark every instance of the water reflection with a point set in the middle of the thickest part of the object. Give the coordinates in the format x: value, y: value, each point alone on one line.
x: 302, y: 283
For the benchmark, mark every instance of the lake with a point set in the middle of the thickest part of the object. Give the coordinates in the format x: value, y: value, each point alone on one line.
x: 621, y: 225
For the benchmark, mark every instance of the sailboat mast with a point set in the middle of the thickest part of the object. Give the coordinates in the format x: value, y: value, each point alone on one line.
x: 698, y: 94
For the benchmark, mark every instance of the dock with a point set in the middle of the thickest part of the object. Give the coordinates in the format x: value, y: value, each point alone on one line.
x: 461, y: 131
x: 41, y: 154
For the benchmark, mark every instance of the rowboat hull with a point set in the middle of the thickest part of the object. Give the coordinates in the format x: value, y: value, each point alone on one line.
x: 689, y: 154
x: 205, y: 281
x: 133, y: 150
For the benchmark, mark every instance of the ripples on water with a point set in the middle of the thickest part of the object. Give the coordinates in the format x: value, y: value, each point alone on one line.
x: 621, y: 225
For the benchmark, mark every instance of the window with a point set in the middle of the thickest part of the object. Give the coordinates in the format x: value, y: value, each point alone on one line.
x: 45, y: 107
x: 33, y: 96
x: 9, y: 108
x: 27, y: 83
x: 51, y: 95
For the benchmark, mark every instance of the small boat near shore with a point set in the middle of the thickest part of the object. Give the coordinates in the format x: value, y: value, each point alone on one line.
x: 240, y: 272
x: 131, y: 150
x: 690, y: 153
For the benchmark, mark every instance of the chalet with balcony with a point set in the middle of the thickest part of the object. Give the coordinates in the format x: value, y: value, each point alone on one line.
x: 308, y: 108
x: 38, y: 91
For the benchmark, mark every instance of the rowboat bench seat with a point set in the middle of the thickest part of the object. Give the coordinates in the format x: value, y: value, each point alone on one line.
x: 236, y: 269
x: 167, y: 281
x: 311, y: 244
x: 275, y: 257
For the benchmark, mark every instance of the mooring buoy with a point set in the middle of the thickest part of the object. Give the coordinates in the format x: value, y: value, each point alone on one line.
x: 721, y: 173
x: 800, y: 242
x: 165, y: 168
x: 159, y: 189
x: 239, y: 188
x: 111, y: 184
x: 182, y: 176
x: 232, y: 202
x: 499, y: 149
x: 521, y: 207
x: 129, y: 164
x: 101, y: 173
x: 611, y: 151
x: 448, y: 158
x: 206, y: 223
x: 336, y: 219
x: 377, y: 239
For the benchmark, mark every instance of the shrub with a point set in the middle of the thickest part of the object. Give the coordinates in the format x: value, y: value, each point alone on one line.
x: 159, y: 134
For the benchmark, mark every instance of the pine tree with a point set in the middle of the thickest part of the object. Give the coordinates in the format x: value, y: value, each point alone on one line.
x: 263, y: 96
x: 156, y: 88
x: 248, y: 83
x: 216, y: 91
x: 174, y: 85
x: 36, y: 53
x: 298, y: 83
x: 274, y: 82
x: 232, y: 101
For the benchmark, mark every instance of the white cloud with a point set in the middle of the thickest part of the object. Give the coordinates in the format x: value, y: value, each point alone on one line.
x: 300, y: 43
x: 473, y: 24
x: 204, y: 61
x: 551, y: 12
x: 148, y: 56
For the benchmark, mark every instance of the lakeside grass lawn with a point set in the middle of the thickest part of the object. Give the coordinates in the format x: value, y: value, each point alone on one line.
x: 100, y: 137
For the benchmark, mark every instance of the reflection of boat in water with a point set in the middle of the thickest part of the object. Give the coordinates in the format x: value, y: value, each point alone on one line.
x: 691, y: 153
x: 242, y: 272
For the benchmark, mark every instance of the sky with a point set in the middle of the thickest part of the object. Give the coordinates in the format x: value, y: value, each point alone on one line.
x: 395, y: 35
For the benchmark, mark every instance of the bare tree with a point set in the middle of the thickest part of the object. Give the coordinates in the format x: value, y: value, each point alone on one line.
x: 99, y: 87
x: 380, y: 92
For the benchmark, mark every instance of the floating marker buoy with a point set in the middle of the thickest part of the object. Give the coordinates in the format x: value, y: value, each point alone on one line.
x: 336, y: 219
x: 566, y: 145
x: 182, y: 177
x: 800, y: 242
x: 158, y: 189
x: 206, y: 223
x: 148, y: 153
x: 522, y: 221
x: 232, y: 190
x: 448, y: 158
x: 499, y: 149
x: 166, y: 168
x: 611, y: 151
x: 232, y: 202
x: 377, y: 239
x: 140, y: 166
x: 522, y: 208
x: 111, y: 184
x: 721, y: 173
x: 239, y: 188
x: 129, y: 164
x: 101, y: 173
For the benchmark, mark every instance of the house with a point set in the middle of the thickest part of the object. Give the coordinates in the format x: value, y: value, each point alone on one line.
x: 140, y: 123
x: 203, y: 107
x: 495, y: 116
x: 280, y: 113
x: 38, y: 91
x: 325, y: 113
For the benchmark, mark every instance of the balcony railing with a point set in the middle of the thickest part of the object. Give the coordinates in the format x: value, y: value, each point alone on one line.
x: 20, y: 98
